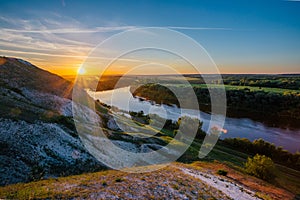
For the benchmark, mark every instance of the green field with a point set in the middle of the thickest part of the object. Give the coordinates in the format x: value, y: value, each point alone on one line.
x: 251, y: 88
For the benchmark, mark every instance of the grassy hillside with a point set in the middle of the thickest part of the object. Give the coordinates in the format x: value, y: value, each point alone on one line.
x: 177, y: 181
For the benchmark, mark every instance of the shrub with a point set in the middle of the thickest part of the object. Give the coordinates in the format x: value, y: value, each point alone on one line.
x: 104, y: 183
x: 37, y: 172
x: 119, y: 180
x: 222, y: 172
x: 261, y: 166
x: 259, y: 146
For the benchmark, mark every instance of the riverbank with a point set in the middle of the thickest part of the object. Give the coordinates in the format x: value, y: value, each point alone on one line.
x: 236, y: 127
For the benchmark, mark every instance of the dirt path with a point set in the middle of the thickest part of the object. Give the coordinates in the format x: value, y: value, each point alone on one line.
x: 231, y: 189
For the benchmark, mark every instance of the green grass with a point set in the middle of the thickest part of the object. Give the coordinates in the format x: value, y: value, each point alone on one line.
x: 234, y: 87
x: 288, y: 179
x: 252, y: 89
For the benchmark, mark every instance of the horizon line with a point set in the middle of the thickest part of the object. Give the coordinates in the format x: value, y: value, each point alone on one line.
x: 293, y: 73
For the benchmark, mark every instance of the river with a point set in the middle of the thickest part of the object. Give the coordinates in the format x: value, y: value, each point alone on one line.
x: 236, y: 127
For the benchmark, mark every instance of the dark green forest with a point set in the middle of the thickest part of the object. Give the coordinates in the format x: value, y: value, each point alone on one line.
x: 277, y: 106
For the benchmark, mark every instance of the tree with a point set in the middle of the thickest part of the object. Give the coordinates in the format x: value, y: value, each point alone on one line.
x: 189, y: 126
x: 261, y: 166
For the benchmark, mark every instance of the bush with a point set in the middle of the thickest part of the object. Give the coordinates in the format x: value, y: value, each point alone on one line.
x: 222, y: 172
x: 261, y: 166
x: 66, y: 121
x: 118, y: 180
x: 259, y: 146
x: 104, y: 183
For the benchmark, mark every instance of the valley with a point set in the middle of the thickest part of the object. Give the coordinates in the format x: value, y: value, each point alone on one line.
x: 41, y: 150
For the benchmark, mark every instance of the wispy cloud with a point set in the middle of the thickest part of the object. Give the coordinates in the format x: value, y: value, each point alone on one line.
x: 45, y: 37
x: 60, y: 39
x: 106, y: 29
x: 69, y: 56
x: 197, y: 28
x: 73, y: 30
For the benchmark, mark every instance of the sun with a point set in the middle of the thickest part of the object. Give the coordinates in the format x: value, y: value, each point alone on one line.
x: 81, y: 70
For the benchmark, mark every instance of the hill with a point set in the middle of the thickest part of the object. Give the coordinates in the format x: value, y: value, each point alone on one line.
x: 37, y: 135
x: 176, y: 181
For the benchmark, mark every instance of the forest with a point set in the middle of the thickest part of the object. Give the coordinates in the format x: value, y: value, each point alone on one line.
x: 276, y: 106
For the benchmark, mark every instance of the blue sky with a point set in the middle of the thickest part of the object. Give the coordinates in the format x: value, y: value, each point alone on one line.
x: 240, y: 36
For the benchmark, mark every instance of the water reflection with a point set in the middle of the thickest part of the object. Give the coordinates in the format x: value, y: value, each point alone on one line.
x: 234, y: 127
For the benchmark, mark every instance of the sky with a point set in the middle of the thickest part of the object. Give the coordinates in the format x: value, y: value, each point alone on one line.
x: 240, y: 36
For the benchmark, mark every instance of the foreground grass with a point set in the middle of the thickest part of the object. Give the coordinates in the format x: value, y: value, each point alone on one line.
x: 166, y: 183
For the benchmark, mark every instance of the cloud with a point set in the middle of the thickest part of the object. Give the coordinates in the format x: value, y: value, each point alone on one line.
x: 73, y: 30
x: 60, y: 37
x: 197, y: 28
x: 37, y: 36
x: 53, y: 54
x: 105, y: 29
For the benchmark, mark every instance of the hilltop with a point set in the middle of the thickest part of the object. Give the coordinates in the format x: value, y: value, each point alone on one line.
x: 37, y: 135
x: 176, y: 181
x: 28, y: 92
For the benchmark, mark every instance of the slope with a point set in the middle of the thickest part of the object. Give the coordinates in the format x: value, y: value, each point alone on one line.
x: 37, y: 135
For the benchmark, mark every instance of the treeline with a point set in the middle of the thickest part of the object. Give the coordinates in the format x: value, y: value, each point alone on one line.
x: 289, y: 81
x: 155, y: 92
x: 284, y: 81
x: 271, y: 81
x: 113, y: 82
x: 277, y: 154
x: 275, y: 109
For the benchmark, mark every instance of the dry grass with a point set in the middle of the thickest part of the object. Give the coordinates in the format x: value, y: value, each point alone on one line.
x: 261, y: 187
x: 167, y: 183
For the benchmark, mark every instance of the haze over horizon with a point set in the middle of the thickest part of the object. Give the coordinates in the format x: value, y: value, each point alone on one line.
x: 256, y: 38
